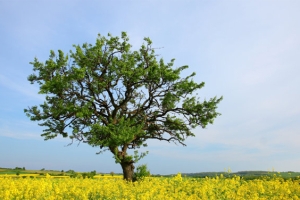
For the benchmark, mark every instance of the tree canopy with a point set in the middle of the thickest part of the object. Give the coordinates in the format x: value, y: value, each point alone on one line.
x: 116, y: 98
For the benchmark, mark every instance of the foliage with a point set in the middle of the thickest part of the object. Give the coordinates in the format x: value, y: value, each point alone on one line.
x: 88, y: 174
x: 141, y: 172
x: 76, y: 175
x: 114, y: 98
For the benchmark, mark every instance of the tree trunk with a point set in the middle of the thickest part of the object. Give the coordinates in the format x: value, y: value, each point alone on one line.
x: 128, y: 169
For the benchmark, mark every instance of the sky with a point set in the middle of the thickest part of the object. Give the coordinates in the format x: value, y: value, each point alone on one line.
x: 246, y: 51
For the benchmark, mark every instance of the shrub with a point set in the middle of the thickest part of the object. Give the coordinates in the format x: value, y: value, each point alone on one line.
x: 93, y: 172
x: 141, y: 172
x: 77, y: 175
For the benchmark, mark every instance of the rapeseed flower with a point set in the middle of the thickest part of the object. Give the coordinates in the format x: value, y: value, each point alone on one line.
x: 177, y: 187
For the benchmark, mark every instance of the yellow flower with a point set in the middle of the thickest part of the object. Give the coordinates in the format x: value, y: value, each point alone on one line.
x: 156, y: 188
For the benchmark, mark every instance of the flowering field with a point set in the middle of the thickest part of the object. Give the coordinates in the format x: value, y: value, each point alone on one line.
x: 151, y: 188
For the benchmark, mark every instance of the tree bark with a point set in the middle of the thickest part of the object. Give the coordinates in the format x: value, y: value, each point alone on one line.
x: 128, y: 169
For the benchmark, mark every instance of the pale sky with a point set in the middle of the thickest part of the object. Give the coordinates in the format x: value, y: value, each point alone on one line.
x: 246, y: 51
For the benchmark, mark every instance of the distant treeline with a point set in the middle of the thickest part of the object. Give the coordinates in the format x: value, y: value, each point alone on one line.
x: 245, y: 174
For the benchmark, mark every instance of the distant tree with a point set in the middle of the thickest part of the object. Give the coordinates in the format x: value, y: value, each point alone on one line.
x: 23, y: 168
x: 112, y: 173
x: 110, y: 96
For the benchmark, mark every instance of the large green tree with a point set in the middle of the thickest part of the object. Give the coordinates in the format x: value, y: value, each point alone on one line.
x: 108, y: 95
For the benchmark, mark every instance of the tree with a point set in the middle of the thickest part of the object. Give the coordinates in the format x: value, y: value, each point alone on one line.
x: 109, y: 96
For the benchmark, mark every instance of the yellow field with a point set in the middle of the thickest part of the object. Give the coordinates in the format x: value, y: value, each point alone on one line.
x: 151, y: 188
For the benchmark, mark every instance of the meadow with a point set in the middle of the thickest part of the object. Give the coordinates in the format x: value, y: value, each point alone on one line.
x: 176, y: 187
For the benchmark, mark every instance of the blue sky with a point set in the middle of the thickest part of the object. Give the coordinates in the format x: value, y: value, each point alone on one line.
x: 246, y: 51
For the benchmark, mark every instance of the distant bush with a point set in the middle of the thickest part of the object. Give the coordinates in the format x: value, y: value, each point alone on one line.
x: 76, y: 175
x: 85, y: 175
x: 93, y: 172
x: 70, y: 171
x: 89, y: 174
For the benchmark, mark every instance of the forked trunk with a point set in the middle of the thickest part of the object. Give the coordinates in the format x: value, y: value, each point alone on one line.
x: 128, y: 169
